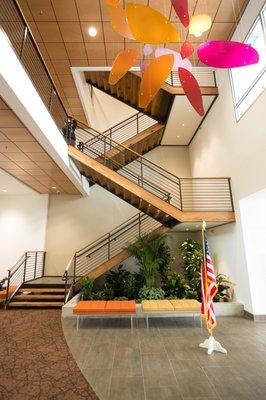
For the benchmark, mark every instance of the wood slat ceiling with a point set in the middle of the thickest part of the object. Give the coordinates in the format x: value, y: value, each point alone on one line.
x: 23, y: 157
x: 60, y: 29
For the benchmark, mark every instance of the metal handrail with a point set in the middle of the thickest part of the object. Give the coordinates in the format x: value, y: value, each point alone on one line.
x: 24, y: 271
x: 80, y: 262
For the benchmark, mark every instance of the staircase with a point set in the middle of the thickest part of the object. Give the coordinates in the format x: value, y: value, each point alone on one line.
x: 127, y: 90
x: 108, y: 251
x: 148, y: 187
x: 39, y: 295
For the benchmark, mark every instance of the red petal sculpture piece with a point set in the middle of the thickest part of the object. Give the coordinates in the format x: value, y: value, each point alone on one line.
x: 186, y: 50
x: 192, y: 90
x: 181, y: 9
x: 227, y: 54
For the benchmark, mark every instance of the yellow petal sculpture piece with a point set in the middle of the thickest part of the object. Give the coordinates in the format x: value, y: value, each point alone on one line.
x: 123, y: 62
x: 149, y: 26
x: 154, y: 77
x: 119, y: 22
x: 199, y: 23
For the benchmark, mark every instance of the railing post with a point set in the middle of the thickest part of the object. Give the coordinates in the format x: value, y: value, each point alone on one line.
x: 74, y: 268
x: 137, y: 123
x: 180, y: 194
x: 66, y: 279
x: 109, y: 246
x: 80, y: 146
x: 43, y: 262
x: 25, y: 266
x: 139, y: 224
x: 141, y: 171
x: 23, y: 42
x: 35, y: 264
x: 7, y: 287
x: 104, y: 150
x: 231, y: 195
x: 172, y: 79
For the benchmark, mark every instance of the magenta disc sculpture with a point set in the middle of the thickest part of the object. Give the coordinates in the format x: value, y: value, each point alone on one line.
x: 227, y: 54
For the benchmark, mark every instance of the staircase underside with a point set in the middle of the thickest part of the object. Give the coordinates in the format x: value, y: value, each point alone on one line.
x: 138, y: 196
x: 127, y: 90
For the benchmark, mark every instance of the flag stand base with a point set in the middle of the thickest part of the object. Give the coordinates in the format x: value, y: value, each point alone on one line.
x: 212, y: 345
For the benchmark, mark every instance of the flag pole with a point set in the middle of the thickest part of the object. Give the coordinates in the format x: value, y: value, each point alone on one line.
x: 210, y: 344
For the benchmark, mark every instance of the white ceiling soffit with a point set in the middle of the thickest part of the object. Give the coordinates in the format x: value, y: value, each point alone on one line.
x: 183, y: 121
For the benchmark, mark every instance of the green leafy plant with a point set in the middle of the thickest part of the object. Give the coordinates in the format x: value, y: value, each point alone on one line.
x: 165, y: 258
x: 147, y: 251
x: 151, y: 293
x: 176, y: 285
x: 86, y: 286
x: 224, y: 285
x: 122, y: 298
x: 118, y: 280
x: 104, y: 294
x: 192, y: 256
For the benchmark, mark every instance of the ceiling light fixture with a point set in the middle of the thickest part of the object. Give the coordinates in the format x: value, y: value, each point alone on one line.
x: 92, y: 31
x: 183, y: 124
x: 4, y: 190
x: 53, y: 187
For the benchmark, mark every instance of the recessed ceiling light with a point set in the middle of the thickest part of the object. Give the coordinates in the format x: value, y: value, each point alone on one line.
x: 92, y: 31
x: 178, y: 137
x: 189, y: 110
x: 183, y: 124
x: 186, y: 229
x: 53, y: 187
x: 4, y: 190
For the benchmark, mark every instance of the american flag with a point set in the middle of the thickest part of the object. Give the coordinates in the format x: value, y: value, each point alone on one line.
x: 208, y: 286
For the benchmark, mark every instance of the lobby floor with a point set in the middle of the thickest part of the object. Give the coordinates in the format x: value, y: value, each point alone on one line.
x: 165, y: 362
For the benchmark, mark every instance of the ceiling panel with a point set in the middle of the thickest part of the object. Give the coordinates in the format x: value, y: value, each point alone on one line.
x: 60, y: 27
x: 22, y: 157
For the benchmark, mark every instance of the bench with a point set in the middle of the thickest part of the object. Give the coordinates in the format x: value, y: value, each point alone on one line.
x: 170, y: 308
x: 105, y: 309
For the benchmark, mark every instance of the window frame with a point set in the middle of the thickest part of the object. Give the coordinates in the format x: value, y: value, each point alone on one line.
x: 262, y: 18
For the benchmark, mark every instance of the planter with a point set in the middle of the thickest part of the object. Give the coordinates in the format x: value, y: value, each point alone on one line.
x: 232, y: 308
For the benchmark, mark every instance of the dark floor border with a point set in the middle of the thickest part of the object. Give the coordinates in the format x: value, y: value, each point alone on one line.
x: 254, y: 317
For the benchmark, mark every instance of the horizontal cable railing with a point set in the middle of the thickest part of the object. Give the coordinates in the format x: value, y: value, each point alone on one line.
x: 106, y: 247
x: 15, y: 27
x: 192, y: 194
x: 130, y: 127
x: 29, y: 266
x: 205, y: 77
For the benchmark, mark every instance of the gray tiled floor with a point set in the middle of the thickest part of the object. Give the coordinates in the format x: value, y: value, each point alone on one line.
x: 165, y: 362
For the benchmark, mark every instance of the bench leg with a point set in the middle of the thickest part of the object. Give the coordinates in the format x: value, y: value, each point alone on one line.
x: 200, y: 321
x: 147, y: 321
x: 194, y: 319
x: 131, y: 321
x: 77, y: 322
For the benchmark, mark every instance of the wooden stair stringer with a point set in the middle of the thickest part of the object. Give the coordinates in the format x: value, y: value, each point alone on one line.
x: 133, y: 190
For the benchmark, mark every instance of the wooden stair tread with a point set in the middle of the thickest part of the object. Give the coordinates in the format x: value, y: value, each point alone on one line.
x: 42, y: 290
x: 35, y: 304
x: 38, y: 296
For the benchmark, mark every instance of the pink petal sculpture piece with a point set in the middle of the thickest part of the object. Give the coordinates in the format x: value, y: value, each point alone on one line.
x: 186, y: 50
x: 192, y: 90
x: 178, y: 61
x: 147, y: 50
x: 181, y: 9
x: 227, y: 54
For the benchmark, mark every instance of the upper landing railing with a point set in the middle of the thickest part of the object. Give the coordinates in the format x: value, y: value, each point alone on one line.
x: 205, y: 77
x: 14, y: 25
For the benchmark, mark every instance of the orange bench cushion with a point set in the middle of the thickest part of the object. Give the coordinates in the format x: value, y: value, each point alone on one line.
x: 123, y: 306
x: 89, y: 306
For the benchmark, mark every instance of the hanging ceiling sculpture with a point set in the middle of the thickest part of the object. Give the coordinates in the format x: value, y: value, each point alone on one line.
x: 149, y: 27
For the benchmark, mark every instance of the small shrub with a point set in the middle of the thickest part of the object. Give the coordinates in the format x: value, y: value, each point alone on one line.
x: 176, y: 285
x: 151, y: 293
x: 224, y: 285
x: 118, y: 280
x: 122, y: 298
x: 104, y: 294
x: 86, y: 285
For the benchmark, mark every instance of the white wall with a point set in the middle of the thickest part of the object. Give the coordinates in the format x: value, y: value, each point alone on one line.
x: 23, y: 217
x: 253, y: 217
x: 174, y: 159
x: 224, y: 147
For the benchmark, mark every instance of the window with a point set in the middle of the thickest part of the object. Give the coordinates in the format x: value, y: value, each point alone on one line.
x: 249, y: 82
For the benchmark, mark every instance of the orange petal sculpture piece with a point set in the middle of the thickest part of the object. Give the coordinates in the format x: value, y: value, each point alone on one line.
x: 192, y: 90
x: 149, y: 26
x: 112, y: 2
x: 119, y: 22
x: 123, y: 62
x: 154, y: 77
